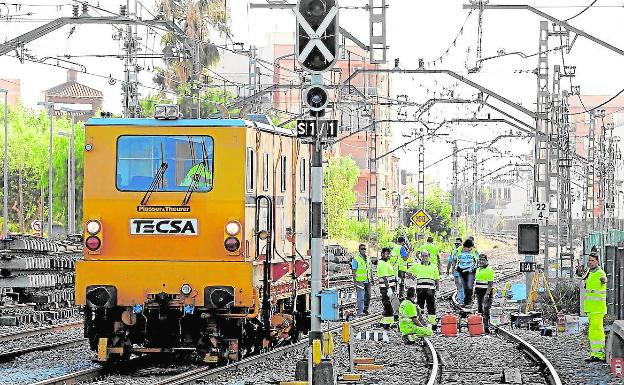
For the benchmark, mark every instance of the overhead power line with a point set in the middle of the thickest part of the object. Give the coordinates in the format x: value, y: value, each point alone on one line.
x: 583, y: 11
x: 598, y: 106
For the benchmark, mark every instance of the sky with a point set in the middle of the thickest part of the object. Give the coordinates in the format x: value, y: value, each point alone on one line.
x: 416, y: 29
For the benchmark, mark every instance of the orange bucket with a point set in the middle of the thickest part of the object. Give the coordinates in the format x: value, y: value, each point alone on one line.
x: 449, y: 325
x: 475, y: 325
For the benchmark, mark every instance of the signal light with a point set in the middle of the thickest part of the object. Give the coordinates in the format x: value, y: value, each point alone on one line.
x: 317, y: 34
x: 93, y: 227
x: 231, y: 244
x: 232, y: 228
x: 93, y: 243
x: 316, y: 98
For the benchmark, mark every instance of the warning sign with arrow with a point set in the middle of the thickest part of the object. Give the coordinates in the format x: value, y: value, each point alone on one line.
x: 420, y: 218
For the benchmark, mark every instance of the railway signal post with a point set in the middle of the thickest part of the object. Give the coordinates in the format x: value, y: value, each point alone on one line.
x: 316, y: 49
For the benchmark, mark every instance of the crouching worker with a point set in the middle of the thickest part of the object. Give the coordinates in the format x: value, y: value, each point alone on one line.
x: 412, y: 324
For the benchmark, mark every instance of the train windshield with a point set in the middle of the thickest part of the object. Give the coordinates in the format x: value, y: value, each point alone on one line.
x: 166, y: 163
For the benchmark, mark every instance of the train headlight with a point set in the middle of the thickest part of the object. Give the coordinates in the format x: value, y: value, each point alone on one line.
x: 93, y: 227
x: 160, y: 111
x: 166, y: 111
x: 232, y: 228
x: 231, y: 244
x: 101, y: 296
x: 186, y: 289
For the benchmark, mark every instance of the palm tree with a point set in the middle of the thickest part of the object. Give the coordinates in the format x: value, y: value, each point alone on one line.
x: 197, y: 18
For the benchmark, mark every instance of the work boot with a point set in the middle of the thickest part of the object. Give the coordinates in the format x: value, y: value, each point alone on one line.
x: 594, y: 359
x: 407, y: 340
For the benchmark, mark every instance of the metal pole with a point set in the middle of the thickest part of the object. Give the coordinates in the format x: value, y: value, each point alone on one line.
x: 50, y: 171
x: 5, y: 208
x: 68, y: 184
x: 72, y: 179
x: 455, y: 201
x: 317, y: 240
x: 474, y: 191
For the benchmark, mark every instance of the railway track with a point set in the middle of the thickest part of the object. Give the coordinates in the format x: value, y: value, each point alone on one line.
x: 191, y: 376
x: 39, y: 331
x: 195, y: 375
x: 475, y: 371
x: 11, y: 354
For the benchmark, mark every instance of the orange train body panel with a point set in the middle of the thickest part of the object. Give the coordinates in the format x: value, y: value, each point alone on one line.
x: 212, y: 209
x: 135, y: 280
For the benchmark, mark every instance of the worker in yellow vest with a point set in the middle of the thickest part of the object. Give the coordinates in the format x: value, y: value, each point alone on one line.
x: 363, y: 278
x: 411, y: 322
x: 400, y: 259
x: 434, y: 252
x: 484, y: 282
x: 201, y: 173
x: 595, y: 306
x: 427, y: 282
x: 386, y: 278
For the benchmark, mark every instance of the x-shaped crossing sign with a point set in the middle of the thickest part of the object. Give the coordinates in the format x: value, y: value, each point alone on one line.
x: 315, y: 39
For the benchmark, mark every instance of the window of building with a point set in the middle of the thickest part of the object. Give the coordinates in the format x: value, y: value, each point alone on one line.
x: 249, y: 170
x: 265, y: 172
x: 284, y: 173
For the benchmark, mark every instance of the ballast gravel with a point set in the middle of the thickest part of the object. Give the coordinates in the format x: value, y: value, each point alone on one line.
x: 567, y: 352
x: 42, y: 339
x: 39, y: 366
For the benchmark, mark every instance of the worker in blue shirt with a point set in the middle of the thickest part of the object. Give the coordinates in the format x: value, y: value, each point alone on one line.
x: 452, y: 265
x: 362, y: 277
x: 400, y: 260
x: 466, y: 267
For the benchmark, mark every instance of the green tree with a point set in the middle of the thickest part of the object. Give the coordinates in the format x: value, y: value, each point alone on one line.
x: 185, y: 74
x: 28, y: 166
x: 437, y: 205
x: 341, y: 175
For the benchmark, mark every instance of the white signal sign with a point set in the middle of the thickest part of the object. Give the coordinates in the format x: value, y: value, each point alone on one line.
x: 540, y: 210
x: 307, y: 128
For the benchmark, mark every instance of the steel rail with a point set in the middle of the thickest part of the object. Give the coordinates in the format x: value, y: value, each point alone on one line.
x: 548, y: 370
x: 191, y: 377
x: 6, y: 356
x: 436, y: 372
x: 38, y: 331
x: 95, y: 373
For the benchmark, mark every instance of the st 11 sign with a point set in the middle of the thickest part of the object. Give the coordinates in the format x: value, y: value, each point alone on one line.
x: 307, y: 128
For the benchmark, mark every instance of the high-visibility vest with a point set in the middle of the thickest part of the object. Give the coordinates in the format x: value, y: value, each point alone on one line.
x: 595, y: 293
x: 433, y: 250
x: 362, y: 273
x: 407, y: 311
x: 426, y: 275
x: 397, y: 260
x: 385, y: 270
x: 467, y: 260
x: 205, y: 176
x: 484, y: 276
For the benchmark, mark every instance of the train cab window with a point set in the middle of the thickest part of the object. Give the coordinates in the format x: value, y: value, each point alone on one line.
x: 173, y: 162
x: 302, y: 174
x: 265, y: 172
x: 249, y: 170
x: 284, y: 173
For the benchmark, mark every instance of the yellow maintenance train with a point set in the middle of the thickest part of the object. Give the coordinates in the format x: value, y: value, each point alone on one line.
x: 196, y: 236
